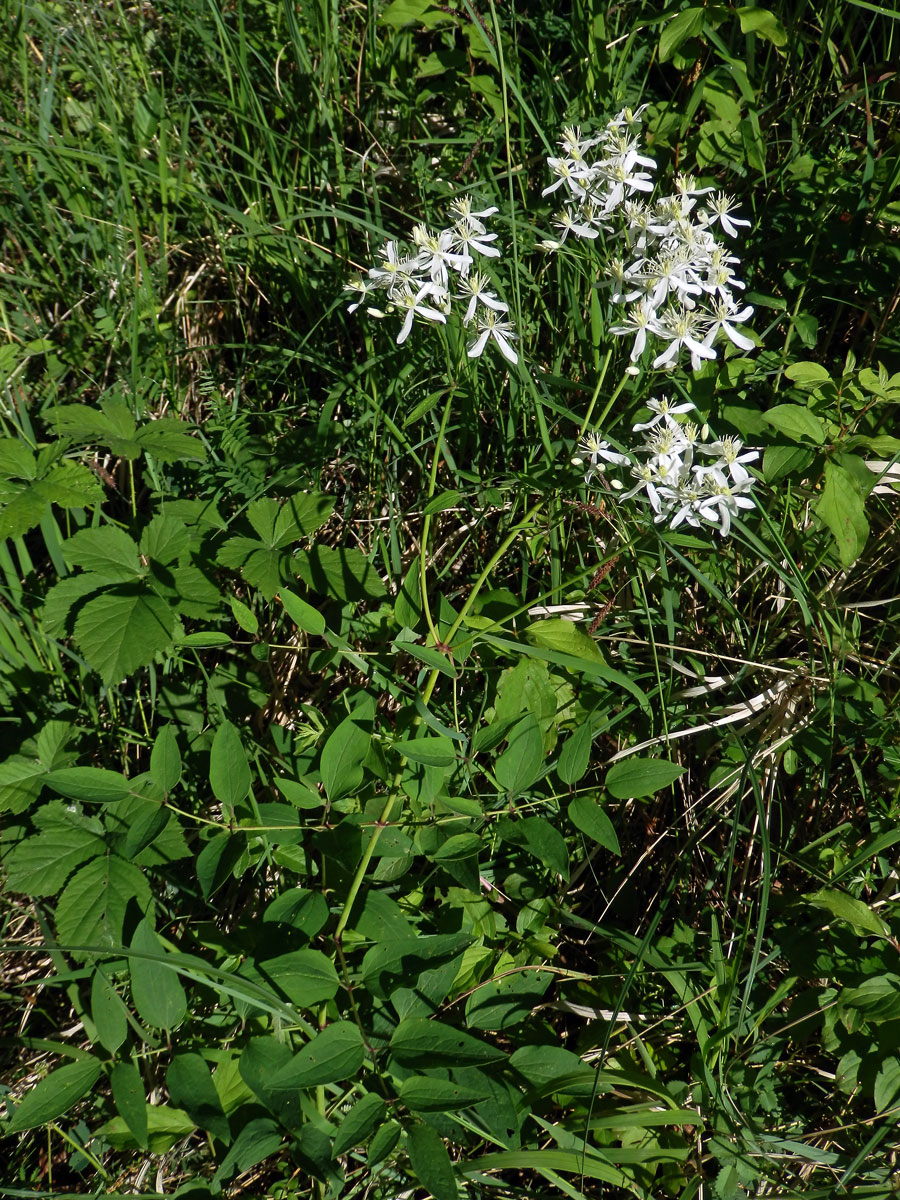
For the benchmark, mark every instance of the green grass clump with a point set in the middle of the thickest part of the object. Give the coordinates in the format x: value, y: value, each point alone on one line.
x: 388, y: 808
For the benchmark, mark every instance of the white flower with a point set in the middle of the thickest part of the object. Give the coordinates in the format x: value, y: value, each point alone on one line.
x: 394, y: 270
x: 721, y: 317
x: 640, y: 319
x: 360, y: 289
x: 722, y: 207
x: 663, y: 408
x: 681, y: 327
x: 490, y: 325
x: 412, y: 302
x: 461, y: 208
x: 566, y: 222
x: 436, y: 254
x: 476, y: 287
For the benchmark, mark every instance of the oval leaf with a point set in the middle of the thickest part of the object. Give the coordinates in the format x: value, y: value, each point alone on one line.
x: 636, y: 777
x: 51, y: 1097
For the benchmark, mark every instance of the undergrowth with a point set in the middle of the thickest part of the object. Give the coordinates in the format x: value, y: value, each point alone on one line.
x: 449, y: 747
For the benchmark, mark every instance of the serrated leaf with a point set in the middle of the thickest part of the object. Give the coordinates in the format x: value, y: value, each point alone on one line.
x: 165, y: 539
x: 39, y: 866
x: 21, y: 781
x: 842, y: 507
x: 107, y: 551
x: 334, y: 1054
x: 636, y: 777
x: 796, y: 423
x: 91, y: 910
x: 590, y: 818
x: 119, y: 632
x: 229, y: 770
x: 304, y: 616
x: 155, y: 989
x: 56, y: 1094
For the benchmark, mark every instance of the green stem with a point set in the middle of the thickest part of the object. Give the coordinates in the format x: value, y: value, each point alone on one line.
x: 388, y: 808
x: 610, y: 402
x: 426, y: 524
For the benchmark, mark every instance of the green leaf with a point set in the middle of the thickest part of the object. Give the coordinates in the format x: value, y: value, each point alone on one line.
x: 167, y: 440
x: 108, y: 1013
x: 56, y: 1094
x: 118, y: 633
x: 682, y: 26
x: 304, y: 616
x: 343, y: 572
x: 846, y: 908
x: 431, y: 1163
x: 229, y: 771
x: 422, y: 1093
x: 342, y: 758
x: 763, y: 23
x: 165, y: 1127
x: 106, y: 551
x: 384, y: 1141
x: 442, y: 502
x: 165, y: 759
x: 91, y: 910
x: 505, y: 1002
x: 401, y: 960
x: 334, y: 1054
x: 539, y: 838
x: 423, y: 1043
x: 257, y: 1141
x: 405, y: 12
x: 155, y: 989
x: 217, y: 859
x: 21, y: 782
x: 165, y: 539
x: 804, y: 374
x: 128, y: 1094
x: 521, y: 763
x: 89, y: 784
x: 146, y: 827
x: 576, y: 755
x: 305, y: 910
x: 430, y: 656
x: 796, y: 423
x: 565, y: 636
x: 408, y: 605
x: 590, y: 818
x: 843, y: 509
x: 636, y: 777
x: 887, y: 1083
x: 436, y: 751
x: 39, y: 866
x: 359, y: 1124
x: 307, y: 977
x: 191, y: 1087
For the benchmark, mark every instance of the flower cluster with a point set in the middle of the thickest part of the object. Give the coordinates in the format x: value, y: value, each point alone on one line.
x: 680, y: 490
x: 423, y: 284
x: 676, y: 276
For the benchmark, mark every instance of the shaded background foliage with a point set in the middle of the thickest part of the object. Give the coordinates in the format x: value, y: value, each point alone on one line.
x: 295, y: 900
